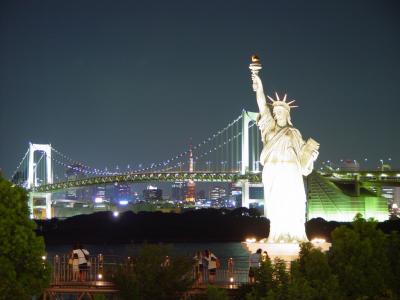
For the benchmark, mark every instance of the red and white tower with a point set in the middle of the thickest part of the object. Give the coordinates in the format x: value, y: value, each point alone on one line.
x: 191, y: 185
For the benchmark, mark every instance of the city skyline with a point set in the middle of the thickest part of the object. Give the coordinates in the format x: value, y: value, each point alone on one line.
x: 129, y: 83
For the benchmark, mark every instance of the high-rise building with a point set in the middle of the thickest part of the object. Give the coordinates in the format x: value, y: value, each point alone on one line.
x: 152, y: 193
x: 201, y: 195
x: 178, y: 191
x: 236, y: 193
x: 100, y: 194
x: 217, y: 192
x: 122, y: 193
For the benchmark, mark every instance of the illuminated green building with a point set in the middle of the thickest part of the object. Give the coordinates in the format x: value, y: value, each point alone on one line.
x: 340, y: 201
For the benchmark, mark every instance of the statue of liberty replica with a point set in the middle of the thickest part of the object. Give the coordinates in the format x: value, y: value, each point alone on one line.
x: 285, y: 158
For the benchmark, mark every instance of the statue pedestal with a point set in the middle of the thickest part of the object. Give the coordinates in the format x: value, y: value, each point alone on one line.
x: 285, y: 251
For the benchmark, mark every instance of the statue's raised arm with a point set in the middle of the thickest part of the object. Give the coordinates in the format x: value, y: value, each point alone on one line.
x: 255, y: 67
x: 261, y: 99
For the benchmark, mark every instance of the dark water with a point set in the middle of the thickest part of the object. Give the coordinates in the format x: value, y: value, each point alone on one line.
x: 223, y: 251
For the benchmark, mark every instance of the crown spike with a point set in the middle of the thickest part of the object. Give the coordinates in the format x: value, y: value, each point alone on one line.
x: 293, y: 106
x: 284, y: 98
x: 277, y: 97
x: 270, y: 98
x: 291, y: 102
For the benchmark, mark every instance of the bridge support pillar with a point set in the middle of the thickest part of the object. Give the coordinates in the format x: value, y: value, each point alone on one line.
x: 32, y: 177
x: 246, y: 199
x: 245, y: 193
x: 247, y: 117
x: 40, y: 205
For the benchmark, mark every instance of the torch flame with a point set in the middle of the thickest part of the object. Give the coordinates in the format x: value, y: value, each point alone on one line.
x: 255, y: 59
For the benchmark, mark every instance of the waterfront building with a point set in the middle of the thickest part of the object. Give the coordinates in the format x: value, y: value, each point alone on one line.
x: 152, y: 193
x: 217, y: 192
x: 201, y: 195
x: 178, y: 191
x: 122, y: 194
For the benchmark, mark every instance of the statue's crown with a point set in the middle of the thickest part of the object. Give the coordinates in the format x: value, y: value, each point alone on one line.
x: 283, y: 103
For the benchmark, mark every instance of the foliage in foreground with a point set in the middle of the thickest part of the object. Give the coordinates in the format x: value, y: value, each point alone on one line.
x: 363, y: 263
x: 23, y: 273
x: 151, y: 276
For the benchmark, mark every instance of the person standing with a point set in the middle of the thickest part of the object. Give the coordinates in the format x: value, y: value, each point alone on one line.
x: 254, y: 264
x: 199, y: 266
x: 83, y: 261
x: 75, y: 262
x: 213, y: 262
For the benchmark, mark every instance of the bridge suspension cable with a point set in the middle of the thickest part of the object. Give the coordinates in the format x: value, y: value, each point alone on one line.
x: 20, y: 163
x: 220, y: 151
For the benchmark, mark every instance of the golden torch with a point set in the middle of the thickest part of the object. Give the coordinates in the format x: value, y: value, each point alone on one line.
x: 255, y: 67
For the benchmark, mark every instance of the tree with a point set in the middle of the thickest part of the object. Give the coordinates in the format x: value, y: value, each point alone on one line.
x: 271, y: 281
x: 155, y: 275
x: 359, y: 258
x: 23, y: 273
x: 393, y: 255
x: 312, y: 277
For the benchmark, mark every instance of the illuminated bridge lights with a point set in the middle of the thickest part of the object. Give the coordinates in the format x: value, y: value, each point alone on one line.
x: 146, y: 177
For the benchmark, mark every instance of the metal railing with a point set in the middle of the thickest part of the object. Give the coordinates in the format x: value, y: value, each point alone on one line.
x: 101, y: 266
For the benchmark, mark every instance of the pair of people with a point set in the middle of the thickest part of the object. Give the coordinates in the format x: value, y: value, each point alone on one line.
x: 206, y: 266
x: 255, y: 260
x: 80, y: 262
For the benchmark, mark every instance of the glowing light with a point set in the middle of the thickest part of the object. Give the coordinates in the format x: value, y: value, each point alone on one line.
x: 123, y: 202
x: 318, y: 241
x: 100, y: 276
x: 98, y: 200
x: 116, y: 214
x: 250, y: 240
x: 231, y: 279
x: 44, y: 257
x: 394, y: 206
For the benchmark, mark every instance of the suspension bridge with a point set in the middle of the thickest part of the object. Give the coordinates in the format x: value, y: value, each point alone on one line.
x: 230, y: 154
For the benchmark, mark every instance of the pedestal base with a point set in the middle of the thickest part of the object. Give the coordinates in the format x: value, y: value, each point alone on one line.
x: 285, y: 251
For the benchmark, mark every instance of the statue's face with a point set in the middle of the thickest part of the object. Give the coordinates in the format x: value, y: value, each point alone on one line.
x: 280, y: 116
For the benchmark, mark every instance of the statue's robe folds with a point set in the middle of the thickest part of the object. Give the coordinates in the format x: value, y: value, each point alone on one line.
x: 284, y: 194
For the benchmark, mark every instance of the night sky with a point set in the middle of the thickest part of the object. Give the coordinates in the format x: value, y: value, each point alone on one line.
x: 124, y: 82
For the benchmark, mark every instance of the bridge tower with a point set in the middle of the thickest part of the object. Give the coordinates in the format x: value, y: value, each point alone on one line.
x: 32, y: 178
x: 39, y: 201
x: 247, y: 117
